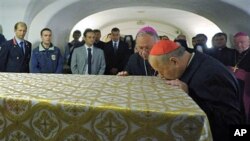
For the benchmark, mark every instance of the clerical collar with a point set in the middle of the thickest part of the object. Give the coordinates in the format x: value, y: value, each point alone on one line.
x: 245, y: 51
x: 220, y: 48
x: 191, y: 58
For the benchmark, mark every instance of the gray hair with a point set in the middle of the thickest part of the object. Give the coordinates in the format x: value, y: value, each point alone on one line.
x: 142, y: 33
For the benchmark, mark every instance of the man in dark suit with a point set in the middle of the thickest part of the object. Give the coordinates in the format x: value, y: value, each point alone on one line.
x: 2, y: 38
x: 116, y: 53
x: 15, y: 53
x: 220, y: 51
x: 201, y: 43
x: 98, y: 43
x: 71, y: 46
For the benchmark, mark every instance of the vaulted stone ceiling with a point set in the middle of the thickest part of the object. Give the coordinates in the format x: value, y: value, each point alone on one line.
x: 62, y: 15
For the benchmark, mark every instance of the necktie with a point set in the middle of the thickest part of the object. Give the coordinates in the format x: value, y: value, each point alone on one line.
x: 115, y: 47
x: 22, y: 47
x: 89, y: 60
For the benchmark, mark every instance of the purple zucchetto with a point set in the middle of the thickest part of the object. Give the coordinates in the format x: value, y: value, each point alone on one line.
x: 240, y: 34
x: 148, y: 29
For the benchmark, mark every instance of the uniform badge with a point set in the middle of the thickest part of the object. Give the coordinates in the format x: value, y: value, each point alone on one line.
x: 53, y: 57
x: 17, y: 58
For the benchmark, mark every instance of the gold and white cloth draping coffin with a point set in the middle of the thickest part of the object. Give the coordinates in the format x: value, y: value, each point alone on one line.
x: 60, y: 107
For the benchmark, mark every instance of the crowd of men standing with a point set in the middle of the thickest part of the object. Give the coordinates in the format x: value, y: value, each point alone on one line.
x: 87, y: 56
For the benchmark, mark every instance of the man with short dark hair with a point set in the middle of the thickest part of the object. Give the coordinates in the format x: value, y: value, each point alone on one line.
x: 15, y: 53
x: 220, y: 51
x: 116, y: 53
x: 181, y: 36
x: 193, y: 41
x: 46, y: 58
x: 201, y: 43
x: 98, y: 43
x: 88, y: 59
x: 69, y: 48
x: 205, y: 80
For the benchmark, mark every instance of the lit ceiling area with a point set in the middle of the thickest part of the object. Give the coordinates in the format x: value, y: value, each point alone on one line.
x: 166, y: 21
x: 168, y: 17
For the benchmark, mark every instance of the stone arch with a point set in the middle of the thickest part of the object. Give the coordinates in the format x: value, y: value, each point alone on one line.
x: 62, y: 15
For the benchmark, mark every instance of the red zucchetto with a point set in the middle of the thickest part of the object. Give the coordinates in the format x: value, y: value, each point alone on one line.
x: 163, y: 47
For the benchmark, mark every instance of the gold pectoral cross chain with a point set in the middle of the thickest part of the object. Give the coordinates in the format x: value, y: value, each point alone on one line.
x: 235, y: 68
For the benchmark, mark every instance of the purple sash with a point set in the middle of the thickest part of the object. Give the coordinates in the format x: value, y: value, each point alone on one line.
x: 245, y: 77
